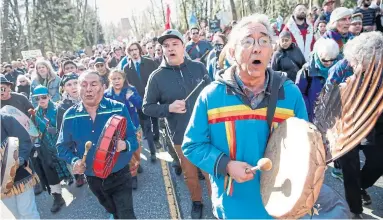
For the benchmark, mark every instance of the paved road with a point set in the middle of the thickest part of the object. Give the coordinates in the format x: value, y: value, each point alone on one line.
x: 151, y: 198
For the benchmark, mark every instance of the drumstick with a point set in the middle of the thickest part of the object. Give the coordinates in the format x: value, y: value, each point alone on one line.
x: 264, y: 164
x: 88, y: 145
x: 205, y: 77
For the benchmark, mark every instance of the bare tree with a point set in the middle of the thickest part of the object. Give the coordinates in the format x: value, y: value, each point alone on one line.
x: 185, y: 13
x: 163, y: 11
x: 211, y: 9
x: 233, y: 10
x: 84, y: 15
x: 153, y: 15
x: 5, y: 30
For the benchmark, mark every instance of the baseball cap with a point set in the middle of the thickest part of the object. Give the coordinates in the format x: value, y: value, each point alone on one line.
x: 325, y: 2
x: 357, y: 17
x: 99, y: 60
x: 4, y: 80
x: 171, y: 33
x: 117, y: 48
x: 40, y: 90
x: 67, y: 77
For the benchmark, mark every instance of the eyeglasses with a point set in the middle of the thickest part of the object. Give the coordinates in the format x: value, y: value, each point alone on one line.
x: 99, y: 65
x: 43, y: 97
x: 249, y: 42
x: 327, y: 61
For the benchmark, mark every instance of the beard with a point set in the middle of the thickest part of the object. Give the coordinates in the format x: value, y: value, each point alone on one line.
x: 366, y: 5
x: 301, y: 17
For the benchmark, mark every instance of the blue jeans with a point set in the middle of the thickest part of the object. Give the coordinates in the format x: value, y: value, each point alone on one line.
x: 114, y: 193
x: 22, y: 206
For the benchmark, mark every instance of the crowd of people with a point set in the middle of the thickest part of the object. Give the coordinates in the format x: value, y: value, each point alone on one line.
x: 182, y: 81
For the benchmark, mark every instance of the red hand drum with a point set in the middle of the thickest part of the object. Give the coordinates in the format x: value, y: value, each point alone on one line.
x: 106, y: 156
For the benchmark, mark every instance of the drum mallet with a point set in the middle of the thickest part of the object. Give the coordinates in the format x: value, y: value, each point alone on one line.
x: 264, y: 164
x: 88, y: 145
x: 205, y: 77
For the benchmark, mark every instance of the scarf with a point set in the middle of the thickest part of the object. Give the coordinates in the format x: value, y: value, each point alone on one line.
x: 339, y: 39
x: 322, y: 69
x: 66, y: 96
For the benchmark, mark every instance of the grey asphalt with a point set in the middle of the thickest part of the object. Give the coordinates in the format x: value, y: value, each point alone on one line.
x: 150, y: 199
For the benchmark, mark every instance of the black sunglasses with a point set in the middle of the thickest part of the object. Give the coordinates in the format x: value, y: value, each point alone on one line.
x: 43, y: 97
x: 327, y: 61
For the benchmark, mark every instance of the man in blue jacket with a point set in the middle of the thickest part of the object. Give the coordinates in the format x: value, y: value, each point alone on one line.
x: 228, y: 130
x: 84, y: 122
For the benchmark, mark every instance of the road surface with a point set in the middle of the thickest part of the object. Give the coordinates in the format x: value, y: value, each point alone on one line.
x: 163, y: 195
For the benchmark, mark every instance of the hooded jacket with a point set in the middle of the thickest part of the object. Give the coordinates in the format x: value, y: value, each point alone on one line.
x: 169, y: 83
x: 224, y: 127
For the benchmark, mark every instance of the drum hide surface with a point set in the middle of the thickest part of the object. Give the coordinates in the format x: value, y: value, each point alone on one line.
x: 9, y: 157
x: 291, y: 187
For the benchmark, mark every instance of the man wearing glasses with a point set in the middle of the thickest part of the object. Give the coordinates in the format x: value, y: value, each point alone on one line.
x: 229, y: 116
x: 14, y: 99
x: 196, y: 48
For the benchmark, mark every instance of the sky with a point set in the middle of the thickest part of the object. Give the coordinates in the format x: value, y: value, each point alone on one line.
x: 114, y: 10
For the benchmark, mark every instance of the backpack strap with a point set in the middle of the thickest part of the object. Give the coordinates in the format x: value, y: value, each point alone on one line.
x: 276, y: 81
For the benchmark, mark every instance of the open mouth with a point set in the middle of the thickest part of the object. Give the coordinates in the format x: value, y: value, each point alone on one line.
x: 172, y: 54
x: 256, y: 62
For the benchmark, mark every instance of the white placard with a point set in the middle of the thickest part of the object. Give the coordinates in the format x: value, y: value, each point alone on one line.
x: 31, y: 54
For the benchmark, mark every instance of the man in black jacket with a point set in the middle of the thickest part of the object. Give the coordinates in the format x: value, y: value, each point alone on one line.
x: 137, y: 72
x: 165, y: 96
x: 23, y: 205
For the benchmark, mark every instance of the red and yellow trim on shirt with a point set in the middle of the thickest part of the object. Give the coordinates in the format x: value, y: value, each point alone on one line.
x: 229, y: 115
x: 243, y: 112
x: 231, y: 141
